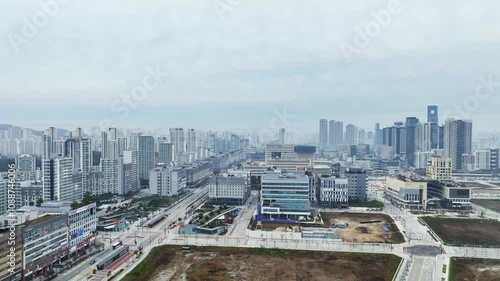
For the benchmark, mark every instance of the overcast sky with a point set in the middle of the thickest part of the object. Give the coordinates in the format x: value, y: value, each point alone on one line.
x: 235, y: 66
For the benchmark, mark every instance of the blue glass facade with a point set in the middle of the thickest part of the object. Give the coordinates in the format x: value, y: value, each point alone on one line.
x: 285, y: 195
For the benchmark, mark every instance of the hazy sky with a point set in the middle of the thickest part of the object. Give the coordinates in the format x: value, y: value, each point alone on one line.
x: 235, y: 66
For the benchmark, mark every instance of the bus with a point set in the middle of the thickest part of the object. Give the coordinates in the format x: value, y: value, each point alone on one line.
x: 111, y: 257
x: 116, y: 244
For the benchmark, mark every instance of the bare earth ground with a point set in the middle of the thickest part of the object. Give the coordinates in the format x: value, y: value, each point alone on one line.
x: 375, y: 232
x: 168, y: 263
x: 488, y: 203
x: 465, y: 231
x: 474, y: 270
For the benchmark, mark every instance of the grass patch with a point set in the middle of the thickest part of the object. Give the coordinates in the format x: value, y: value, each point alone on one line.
x: 365, y: 204
x: 488, y: 203
x: 462, y: 232
x: 465, y: 269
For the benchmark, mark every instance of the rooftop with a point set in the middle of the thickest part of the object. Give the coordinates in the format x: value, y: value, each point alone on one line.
x: 40, y: 220
x: 284, y: 176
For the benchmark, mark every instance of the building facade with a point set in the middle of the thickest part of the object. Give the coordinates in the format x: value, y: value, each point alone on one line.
x: 45, y: 240
x: 146, y: 156
x: 406, y: 192
x: 25, y: 167
x: 357, y: 183
x: 58, y: 179
x: 285, y: 195
x: 333, y: 192
x: 458, y: 141
x: 167, y: 181
x: 229, y: 190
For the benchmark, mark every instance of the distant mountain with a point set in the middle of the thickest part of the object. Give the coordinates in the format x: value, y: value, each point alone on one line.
x: 60, y: 132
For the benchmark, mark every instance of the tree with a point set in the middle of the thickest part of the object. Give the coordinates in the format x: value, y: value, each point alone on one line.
x: 75, y: 205
x: 39, y: 202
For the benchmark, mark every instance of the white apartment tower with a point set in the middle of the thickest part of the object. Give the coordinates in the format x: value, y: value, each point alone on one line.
x: 58, y: 179
x: 191, y: 140
x: 177, y: 138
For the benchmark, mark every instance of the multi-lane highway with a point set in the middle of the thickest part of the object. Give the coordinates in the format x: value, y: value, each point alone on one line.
x: 144, y: 236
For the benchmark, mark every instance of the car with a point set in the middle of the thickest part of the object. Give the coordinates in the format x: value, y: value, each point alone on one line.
x: 92, y: 262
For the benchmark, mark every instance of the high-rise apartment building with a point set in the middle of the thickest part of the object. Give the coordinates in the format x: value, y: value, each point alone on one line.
x: 133, y: 143
x: 457, y: 141
x: 336, y: 134
x: 411, y: 126
x: 146, y: 156
x: 58, y: 180
x: 112, y: 175
x: 166, y: 152
x: 130, y: 170
x: 178, y: 139
x: 351, y: 135
x: 323, y: 133
x: 49, y: 147
x: 122, y: 145
x: 191, y: 144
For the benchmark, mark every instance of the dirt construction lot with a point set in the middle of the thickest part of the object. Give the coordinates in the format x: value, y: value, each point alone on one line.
x: 466, y: 231
x: 474, y: 270
x: 168, y: 263
x: 364, y: 232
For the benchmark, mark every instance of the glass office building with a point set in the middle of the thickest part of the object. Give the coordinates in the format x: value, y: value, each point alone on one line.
x: 285, y: 195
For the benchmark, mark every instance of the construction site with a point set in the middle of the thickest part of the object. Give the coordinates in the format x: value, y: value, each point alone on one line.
x: 348, y: 227
x: 363, y: 227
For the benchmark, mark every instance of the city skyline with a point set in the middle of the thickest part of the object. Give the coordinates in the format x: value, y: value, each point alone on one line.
x: 203, y: 69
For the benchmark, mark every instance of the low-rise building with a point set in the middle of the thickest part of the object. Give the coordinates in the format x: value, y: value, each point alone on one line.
x: 82, y: 222
x: 45, y: 241
x: 230, y: 190
x: 333, y: 192
x: 31, y: 192
x: 448, y: 194
x: 407, y: 192
x: 166, y: 181
x: 11, y: 263
x: 289, y: 156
